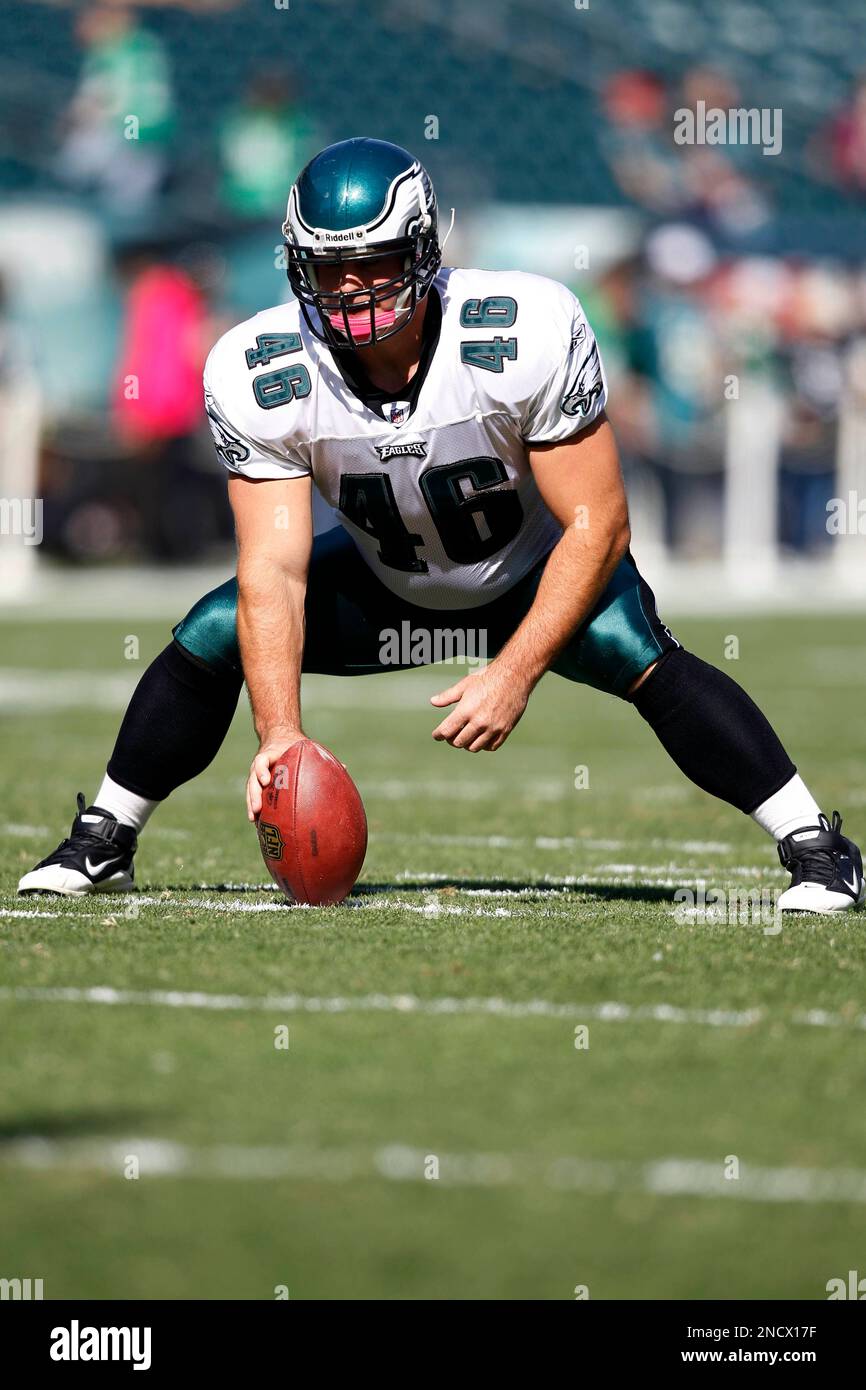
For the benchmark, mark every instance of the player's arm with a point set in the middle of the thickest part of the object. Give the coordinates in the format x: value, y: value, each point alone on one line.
x: 581, y: 483
x: 274, y: 527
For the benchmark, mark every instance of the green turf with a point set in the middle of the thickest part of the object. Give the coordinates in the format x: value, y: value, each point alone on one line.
x: 436, y: 917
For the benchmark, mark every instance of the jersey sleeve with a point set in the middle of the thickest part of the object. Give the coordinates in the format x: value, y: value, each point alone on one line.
x: 247, y: 438
x: 574, y: 391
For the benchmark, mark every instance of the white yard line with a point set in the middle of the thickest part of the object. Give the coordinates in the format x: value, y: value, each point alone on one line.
x: 570, y: 842
x: 424, y: 788
x: 128, y: 906
x: 35, y: 912
x: 373, y: 902
x: 609, y: 1011
x: 396, y: 1162
x: 26, y: 691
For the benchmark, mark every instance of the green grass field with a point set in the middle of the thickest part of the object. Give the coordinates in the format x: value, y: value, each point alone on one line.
x: 490, y: 882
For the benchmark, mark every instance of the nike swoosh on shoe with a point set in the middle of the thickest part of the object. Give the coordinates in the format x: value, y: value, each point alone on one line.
x: 94, y: 869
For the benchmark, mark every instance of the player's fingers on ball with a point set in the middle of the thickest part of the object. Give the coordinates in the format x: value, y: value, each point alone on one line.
x: 261, y: 768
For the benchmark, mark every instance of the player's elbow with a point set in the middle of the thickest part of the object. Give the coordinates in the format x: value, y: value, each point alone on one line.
x: 620, y: 536
x: 262, y: 577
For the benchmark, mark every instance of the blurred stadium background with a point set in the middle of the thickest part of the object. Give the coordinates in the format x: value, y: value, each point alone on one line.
x: 145, y: 157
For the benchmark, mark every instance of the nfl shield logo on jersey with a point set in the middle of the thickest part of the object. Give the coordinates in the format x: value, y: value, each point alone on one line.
x: 396, y: 411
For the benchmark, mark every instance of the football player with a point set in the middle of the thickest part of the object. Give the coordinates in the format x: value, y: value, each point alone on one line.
x: 455, y: 419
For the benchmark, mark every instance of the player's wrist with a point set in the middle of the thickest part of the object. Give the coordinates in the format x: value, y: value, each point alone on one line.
x: 280, y: 733
x: 520, y: 669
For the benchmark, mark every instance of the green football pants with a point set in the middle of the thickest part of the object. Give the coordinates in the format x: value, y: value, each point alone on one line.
x: 355, y: 625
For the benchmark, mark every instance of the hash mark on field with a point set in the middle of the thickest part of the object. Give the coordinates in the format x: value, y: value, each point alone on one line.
x: 610, y: 1011
x: 663, y: 1177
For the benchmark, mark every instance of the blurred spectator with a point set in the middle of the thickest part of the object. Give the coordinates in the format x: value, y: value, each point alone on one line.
x: 718, y: 190
x: 637, y: 138
x: 615, y: 309
x: 846, y: 139
x: 8, y: 346
x: 120, y: 119
x: 705, y: 182
x: 162, y: 355
x: 264, y: 142
x: 158, y: 408
x: 687, y: 361
x: 816, y: 317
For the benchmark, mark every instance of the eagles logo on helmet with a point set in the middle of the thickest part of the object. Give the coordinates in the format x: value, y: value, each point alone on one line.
x: 367, y: 200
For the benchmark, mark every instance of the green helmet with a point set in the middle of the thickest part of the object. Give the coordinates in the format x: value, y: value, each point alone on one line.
x: 365, y: 200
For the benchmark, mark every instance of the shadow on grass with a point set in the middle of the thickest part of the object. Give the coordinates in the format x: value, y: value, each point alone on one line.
x: 613, y: 892
x: 606, y: 892
x: 49, y: 1125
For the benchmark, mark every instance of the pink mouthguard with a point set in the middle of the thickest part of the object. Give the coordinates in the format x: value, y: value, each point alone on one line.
x: 359, y: 324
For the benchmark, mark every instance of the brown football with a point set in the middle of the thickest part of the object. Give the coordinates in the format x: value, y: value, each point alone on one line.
x: 312, y: 827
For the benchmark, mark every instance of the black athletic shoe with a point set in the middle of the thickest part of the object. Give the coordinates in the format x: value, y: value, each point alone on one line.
x: 97, y: 858
x: 826, y: 869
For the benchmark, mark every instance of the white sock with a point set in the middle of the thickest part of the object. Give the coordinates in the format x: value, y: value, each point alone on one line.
x: 790, y: 808
x: 124, y: 805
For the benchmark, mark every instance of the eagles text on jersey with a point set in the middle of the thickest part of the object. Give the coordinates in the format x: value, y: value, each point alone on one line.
x: 439, y: 498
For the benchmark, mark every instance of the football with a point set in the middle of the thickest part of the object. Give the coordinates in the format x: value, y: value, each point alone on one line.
x: 312, y: 826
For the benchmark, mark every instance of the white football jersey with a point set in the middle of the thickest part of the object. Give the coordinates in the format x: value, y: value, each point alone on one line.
x: 441, y: 501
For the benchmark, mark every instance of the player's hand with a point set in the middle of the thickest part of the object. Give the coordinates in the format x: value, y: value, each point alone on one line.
x: 271, y: 749
x: 488, y: 704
